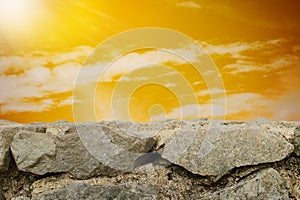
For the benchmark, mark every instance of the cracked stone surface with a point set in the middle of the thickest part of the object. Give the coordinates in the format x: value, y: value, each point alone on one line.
x: 78, y: 191
x: 234, y: 146
x: 264, y: 185
x: 177, y: 159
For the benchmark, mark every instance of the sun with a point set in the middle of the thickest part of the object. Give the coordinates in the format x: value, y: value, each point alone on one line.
x: 18, y: 13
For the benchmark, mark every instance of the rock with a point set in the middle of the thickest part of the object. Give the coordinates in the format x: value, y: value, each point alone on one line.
x: 41, y: 153
x: 83, y: 191
x: 113, y: 145
x: 34, y: 152
x: 59, y: 148
x: 267, y: 184
x: 290, y: 171
x: 124, y: 135
x: 7, y: 123
x: 296, y: 141
x: 224, y: 148
x: 6, y: 135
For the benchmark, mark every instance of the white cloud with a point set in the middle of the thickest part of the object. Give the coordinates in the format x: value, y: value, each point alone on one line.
x: 243, y: 60
x: 210, y: 91
x: 126, y: 64
x: 63, y: 78
x: 244, y: 66
x: 249, y: 105
x: 28, y: 77
x: 287, y: 106
x: 67, y: 102
x: 39, y: 106
x: 235, y: 103
x: 168, y: 85
x: 75, y: 55
x: 188, y: 4
x: 237, y: 49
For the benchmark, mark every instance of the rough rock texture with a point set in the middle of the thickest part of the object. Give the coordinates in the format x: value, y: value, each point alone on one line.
x: 7, y: 132
x: 78, y: 191
x: 6, y: 135
x: 39, y: 153
x: 296, y: 141
x: 161, y: 160
x: 61, y: 150
x: 264, y: 185
x: 234, y: 147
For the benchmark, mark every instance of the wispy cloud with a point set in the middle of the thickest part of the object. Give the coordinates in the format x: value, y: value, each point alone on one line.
x: 40, y: 75
x: 243, y: 66
x: 247, y: 105
x: 30, y: 77
x: 36, y: 106
x: 272, y: 56
x: 189, y: 4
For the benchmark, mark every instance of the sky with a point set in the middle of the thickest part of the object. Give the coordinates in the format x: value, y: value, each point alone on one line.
x: 253, y: 48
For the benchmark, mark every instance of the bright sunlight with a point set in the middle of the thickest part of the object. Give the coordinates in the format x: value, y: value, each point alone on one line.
x: 19, y: 14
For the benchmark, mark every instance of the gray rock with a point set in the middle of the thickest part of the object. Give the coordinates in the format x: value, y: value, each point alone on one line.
x: 58, y: 148
x: 216, y: 151
x: 42, y: 153
x: 34, y: 152
x: 296, y: 141
x: 83, y: 191
x: 7, y: 123
x: 7, y: 132
x: 127, y: 137
x: 264, y: 185
x: 114, y: 146
x: 6, y: 135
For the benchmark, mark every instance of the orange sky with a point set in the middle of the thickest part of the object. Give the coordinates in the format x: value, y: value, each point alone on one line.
x: 254, y: 45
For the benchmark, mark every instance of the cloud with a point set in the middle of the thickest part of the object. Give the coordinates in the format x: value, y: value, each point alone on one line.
x: 238, y: 49
x: 188, y: 4
x: 210, y: 91
x: 67, y: 102
x: 36, y: 106
x: 287, y: 106
x: 272, y: 56
x: 30, y: 77
x: 275, y: 64
x: 127, y: 64
x: 63, y: 78
x: 247, y: 106
x: 75, y: 55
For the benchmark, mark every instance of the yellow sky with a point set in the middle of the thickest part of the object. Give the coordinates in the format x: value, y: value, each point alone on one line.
x: 254, y: 46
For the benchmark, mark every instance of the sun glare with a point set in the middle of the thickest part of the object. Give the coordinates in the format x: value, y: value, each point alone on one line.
x: 18, y: 13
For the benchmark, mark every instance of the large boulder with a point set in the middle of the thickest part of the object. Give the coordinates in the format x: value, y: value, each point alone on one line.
x: 40, y: 153
x: 264, y: 185
x: 82, y: 191
x: 64, y: 147
x: 214, y: 151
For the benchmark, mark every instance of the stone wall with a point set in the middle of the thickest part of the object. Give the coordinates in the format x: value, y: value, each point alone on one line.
x: 172, y: 159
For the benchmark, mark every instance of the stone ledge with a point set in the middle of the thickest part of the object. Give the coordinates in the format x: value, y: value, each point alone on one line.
x: 173, y: 155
